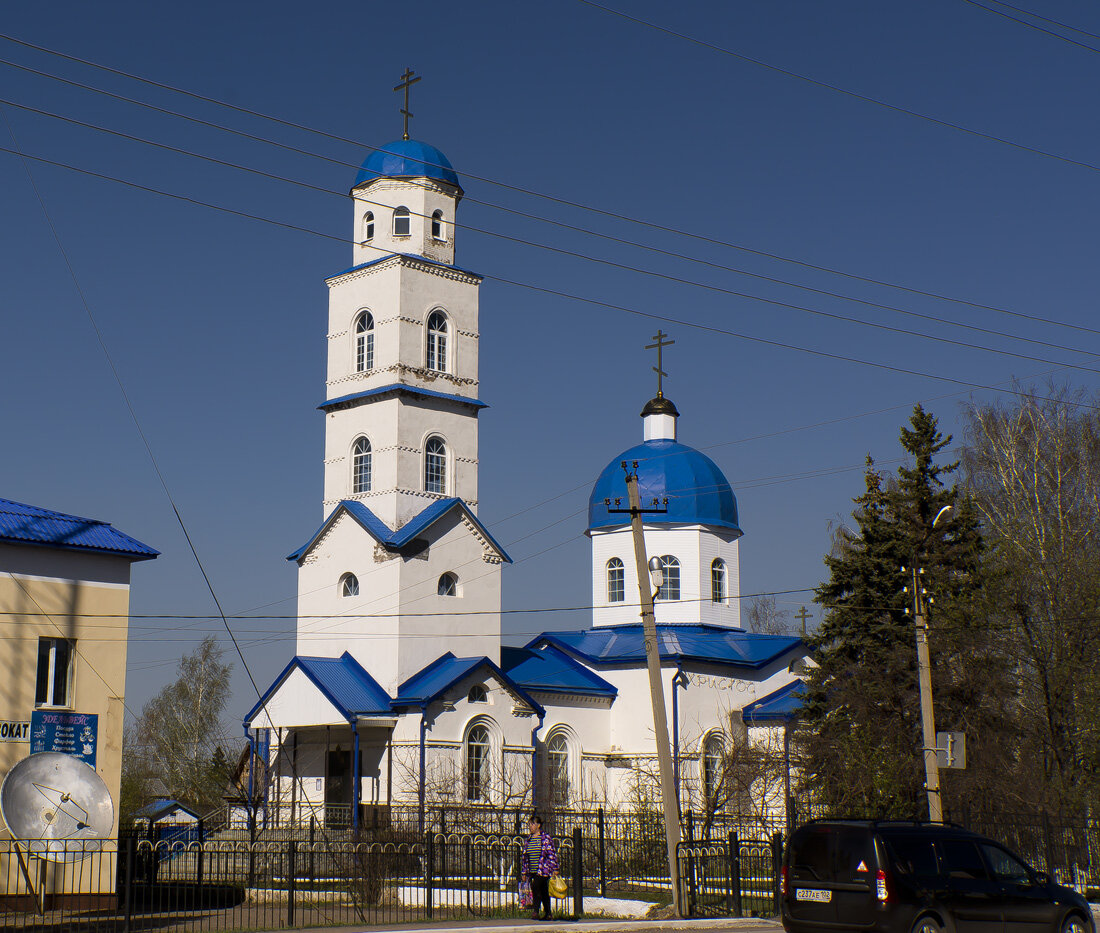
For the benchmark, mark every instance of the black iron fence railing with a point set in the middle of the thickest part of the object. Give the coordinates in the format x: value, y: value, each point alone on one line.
x: 737, y: 877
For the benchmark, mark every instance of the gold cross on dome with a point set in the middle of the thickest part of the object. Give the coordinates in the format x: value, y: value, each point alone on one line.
x: 407, y: 81
x: 659, y: 368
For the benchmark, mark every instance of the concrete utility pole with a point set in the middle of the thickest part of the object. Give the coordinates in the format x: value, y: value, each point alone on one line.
x: 924, y: 677
x: 656, y: 687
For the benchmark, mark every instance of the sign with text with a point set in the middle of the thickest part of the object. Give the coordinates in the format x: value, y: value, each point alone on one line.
x: 73, y: 734
x: 14, y: 730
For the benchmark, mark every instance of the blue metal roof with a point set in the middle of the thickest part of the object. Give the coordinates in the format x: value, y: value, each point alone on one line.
x: 552, y: 670
x: 407, y: 158
x: 399, y: 387
x: 430, y: 262
x: 618, y: 645
x: 161, y: 806
x: 28, y: 524
x: 342, y: 680
x: 395, y: 540
x: 698, y: 493
x: 781, y: 706
x: 444, y: 672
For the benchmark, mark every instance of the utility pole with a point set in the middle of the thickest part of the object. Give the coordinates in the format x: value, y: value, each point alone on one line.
x: 802, y: 615
x: 656, y: 686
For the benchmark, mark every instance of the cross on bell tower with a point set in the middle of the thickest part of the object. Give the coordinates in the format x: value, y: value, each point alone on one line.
x: 407, y: 81
x: 659, y: 368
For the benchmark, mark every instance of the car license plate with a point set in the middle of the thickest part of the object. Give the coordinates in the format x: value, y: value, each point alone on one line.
x: 816, y: 895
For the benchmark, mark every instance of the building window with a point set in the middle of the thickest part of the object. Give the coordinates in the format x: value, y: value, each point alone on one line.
x: 477, y: 694
x: 368, y: 226
x: 670, y: 589
x: 360, y: 466
x: 364, y: 342
x: 718, y: 581
x: 402, y: 224
x: 557, y: 758
x: 616, y: 581
x: 713, y: 752
x: 349, y: 585
x: 55, y: 661
x: 437, y: 225
x: 477, y: 763
x: 437, y: 342
x: 435, y: 465
x: 448, y: 585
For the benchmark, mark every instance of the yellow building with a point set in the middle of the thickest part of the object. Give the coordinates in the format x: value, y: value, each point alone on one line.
x: 64, y: 613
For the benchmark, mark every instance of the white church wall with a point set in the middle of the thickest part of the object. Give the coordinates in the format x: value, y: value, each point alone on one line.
x: 715, y: 546
x: 422, y: 198
x: 376, y: 289
x: 297, y: 702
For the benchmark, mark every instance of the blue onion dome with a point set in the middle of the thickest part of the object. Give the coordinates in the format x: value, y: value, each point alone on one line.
x: 698, y: 493
x: 407, y: 158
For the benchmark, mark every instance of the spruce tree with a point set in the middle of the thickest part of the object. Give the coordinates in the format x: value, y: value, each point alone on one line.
x: 862, y: 736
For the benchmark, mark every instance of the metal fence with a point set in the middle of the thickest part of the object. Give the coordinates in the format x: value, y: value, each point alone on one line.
x: 738, y: 877
x: 133, y: 884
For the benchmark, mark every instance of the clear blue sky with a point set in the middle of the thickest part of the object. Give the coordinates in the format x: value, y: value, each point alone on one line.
x: 217, y: 322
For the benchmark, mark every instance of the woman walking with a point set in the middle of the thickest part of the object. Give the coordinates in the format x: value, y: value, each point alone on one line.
x: 540, y: 861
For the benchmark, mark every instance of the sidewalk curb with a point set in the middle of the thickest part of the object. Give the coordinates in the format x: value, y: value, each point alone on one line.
x: 576, y: 926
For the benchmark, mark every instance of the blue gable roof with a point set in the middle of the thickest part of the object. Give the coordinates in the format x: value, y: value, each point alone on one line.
x: 551, y: 670
x: 28, y: 524
x: 395, y: 540
x: 444, y: 672
x: 781, y: 706
x: 619, y: 645
x: 398, y: 387
x: 342, y: 680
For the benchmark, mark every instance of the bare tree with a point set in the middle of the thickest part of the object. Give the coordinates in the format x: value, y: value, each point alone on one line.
x: 765, y: 618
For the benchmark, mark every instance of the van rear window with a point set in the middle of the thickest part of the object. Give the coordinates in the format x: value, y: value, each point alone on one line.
x: 855, y: 855
x: 912, y: 855
x: 810, y: 856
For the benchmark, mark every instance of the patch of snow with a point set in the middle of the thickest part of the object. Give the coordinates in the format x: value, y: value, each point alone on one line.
x: 444, y: 897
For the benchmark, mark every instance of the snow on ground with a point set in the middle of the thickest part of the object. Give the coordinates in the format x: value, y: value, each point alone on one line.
x: 487, y: 900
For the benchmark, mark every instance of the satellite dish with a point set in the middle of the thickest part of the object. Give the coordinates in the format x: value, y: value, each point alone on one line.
x: 56, y: 807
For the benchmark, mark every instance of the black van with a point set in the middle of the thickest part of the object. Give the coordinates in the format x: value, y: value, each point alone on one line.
x: 909, y: 877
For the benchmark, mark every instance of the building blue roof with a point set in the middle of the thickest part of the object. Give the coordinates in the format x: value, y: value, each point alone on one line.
x: 30, y: 525
x: 552, y: 671
x: 698, y: 493
x: 444, y: 672
x: 162, y: 806
x: 342, y: 680
x: 395, y: 540
x: 407, y: 158
x: 781, y: 706
x: 622, y: 645
x: 401, y: 388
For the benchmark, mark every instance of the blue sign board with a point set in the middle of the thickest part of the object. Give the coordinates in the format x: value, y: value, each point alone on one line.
x: 73, y: 734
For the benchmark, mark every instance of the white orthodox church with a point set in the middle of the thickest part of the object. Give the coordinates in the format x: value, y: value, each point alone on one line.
x: 400, y: 690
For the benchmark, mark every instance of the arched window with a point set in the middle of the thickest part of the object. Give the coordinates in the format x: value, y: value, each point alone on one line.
x: 402, y: 225
x: 713, y: 752
x: 368, y: 226
x: 616, y: 581
x: 670, y: 589
x: 435, y: 465
x: 477, y: 763
x: 437, y: 342
x: 364, y: 342
x: 557, y: 759
x: 448, y: 585
x: 477, y: 694
x: 718, y: 580
x: 349, y: 585
x: 437, y: 225
x: 360, y: 466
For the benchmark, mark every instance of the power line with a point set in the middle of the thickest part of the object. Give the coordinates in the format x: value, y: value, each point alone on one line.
x: 1036, y: 26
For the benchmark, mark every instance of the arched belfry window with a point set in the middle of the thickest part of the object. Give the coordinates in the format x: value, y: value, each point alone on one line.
x: 402, y: 222
x: 477, y: 694
x: 437, y: 226
x: 713, y: 753
x: 718, y: 580
x: 349, y: 585
x: 557, y: 760
x: 368, y: 226
x: 448, y: 585
x: 435, y: 465
x: 437, y: 342
x: 670, y: 589
x: 616, y: 581
x: 477, y: 763
x: 360, y: 466
x: 364, y: 342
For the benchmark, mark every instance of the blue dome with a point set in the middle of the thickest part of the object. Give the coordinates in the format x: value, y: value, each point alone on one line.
x: 698, y: 493
x: 407, y: 158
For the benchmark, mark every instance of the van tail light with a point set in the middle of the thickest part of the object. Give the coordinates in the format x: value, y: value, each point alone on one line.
x: 882, y: 889
x: 783, y: 881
